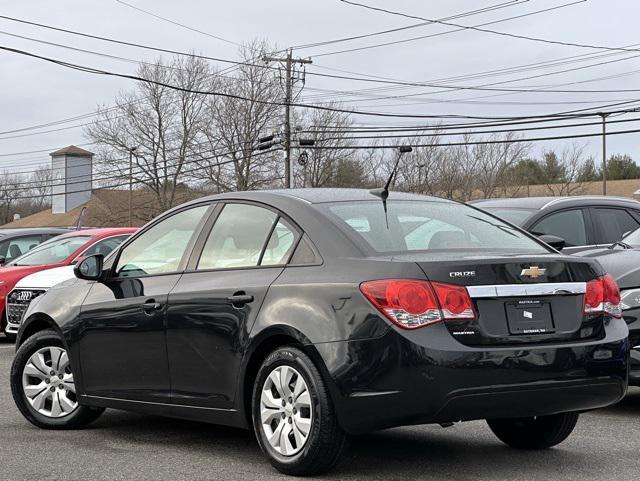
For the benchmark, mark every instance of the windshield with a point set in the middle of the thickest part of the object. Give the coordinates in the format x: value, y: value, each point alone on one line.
x: 426, y: 226
x: 515, y: 216
x: 52, y: 252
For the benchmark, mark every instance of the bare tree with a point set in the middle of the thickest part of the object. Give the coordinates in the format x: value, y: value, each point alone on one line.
x: 11, y: 190
x: 495, y: 161
x: 571, y: 162
x: 163, y: 125
x: 332, y: 163
x: 234, y: 125
x: 40, y: 187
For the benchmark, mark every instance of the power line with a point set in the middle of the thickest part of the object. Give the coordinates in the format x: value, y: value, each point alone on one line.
x: 477, y: 11
x: 155, y: 15
x: 483, y: 142
x: 240, y: 63
x: 422, y: 37
x: 137, y: 182
x: 444, y: 133
x: 494, y: 32
x: 124, y: 42
x: 581, y: 57
x: 239, y: 97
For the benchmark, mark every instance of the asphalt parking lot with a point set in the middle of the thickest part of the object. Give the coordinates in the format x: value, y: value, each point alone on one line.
x: 124, y: 446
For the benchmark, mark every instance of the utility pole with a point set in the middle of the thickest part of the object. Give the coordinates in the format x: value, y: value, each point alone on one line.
x: 604, y: 153
x: 289, y: 64
x: 131, y: 151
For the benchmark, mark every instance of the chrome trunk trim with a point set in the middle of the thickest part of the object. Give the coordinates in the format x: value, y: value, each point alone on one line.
x: 518, y: 290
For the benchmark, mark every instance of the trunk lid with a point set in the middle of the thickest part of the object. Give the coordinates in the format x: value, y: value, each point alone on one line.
x: 518, y: 299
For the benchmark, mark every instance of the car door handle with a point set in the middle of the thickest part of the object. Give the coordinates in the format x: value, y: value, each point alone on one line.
x: 151, y: 306
x: 239, y: 299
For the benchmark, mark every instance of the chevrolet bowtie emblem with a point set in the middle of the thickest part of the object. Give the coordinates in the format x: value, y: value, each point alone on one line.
x: 533, y: 272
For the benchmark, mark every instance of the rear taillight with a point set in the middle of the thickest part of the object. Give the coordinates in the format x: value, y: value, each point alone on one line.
x: 603, y: 296
x: 414, y: 303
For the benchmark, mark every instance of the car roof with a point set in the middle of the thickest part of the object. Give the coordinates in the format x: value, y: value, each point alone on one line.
x: 31, y: 231
x: 321, y: 195
x: 539, y: 203
x: 101, y: 232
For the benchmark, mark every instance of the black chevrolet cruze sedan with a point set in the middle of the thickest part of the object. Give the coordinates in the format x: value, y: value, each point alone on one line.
x: 309, y: 315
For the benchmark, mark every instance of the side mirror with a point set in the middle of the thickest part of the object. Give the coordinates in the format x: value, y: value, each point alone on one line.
x: 3, y: 260
x: 554, y: 241
x: 89, y: 268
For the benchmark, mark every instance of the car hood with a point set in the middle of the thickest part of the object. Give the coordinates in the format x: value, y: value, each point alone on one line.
x: 46, y: 279
x: 622, y: 264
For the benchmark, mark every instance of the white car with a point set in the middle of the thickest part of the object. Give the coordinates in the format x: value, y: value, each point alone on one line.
x: 43, y: 280
x: 30, y: 287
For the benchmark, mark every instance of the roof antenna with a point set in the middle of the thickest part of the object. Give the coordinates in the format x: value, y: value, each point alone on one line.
x: 383, y: 192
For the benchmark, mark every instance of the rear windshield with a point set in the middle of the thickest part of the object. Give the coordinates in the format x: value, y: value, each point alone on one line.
x: 426, y: 226
x: 52, y: 252
x: 515, y: 216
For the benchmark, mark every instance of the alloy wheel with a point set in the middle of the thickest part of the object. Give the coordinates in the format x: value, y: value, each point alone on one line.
x: 47, y: 383
x: 286, y: 412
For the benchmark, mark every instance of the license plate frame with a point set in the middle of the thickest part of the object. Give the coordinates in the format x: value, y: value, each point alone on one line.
x: 529, y: 317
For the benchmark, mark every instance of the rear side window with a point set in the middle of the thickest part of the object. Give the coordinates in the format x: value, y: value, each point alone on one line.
x: 567, y: 224
x: 280, y: 245
x: 426, y: 226
x: 237, y: 237
x: 614, y: 224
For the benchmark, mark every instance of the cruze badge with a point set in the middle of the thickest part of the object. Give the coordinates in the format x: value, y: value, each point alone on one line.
x: 462, y: 274
x: 533, y: 272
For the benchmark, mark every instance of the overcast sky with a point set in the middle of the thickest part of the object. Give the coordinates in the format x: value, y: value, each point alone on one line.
x: 33, y: 92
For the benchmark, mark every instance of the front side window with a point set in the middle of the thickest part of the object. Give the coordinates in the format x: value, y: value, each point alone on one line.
x: 160, y: 249
x: 52, y: 252
x: 13, y: 248
x: 238, y: 237
x: 427, y: 225
x: 567, y: 224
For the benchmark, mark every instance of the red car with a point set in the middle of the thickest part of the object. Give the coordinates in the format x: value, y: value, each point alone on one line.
x: 60, y: 251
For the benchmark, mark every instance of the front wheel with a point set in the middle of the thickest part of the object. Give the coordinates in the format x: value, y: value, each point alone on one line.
x: 293, y: 416
x: 43, y: 386
x: 539, y: 432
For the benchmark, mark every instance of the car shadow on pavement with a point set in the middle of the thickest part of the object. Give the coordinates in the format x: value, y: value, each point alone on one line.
x: 403, y: 453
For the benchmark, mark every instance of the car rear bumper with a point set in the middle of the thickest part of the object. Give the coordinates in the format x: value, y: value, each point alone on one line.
x: 634, y: 344
x: 426, y: 376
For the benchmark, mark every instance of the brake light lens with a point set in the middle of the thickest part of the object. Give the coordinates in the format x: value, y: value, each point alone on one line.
x: 603, y: 297
x: 414, y: 303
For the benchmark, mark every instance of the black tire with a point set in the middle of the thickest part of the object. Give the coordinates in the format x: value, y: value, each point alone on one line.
x: 80, y: 417
x: 326, y: 440
x: 541, y: 432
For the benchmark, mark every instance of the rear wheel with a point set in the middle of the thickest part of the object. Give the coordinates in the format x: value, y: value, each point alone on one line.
x: 293, y: 416
x: 43, y: 386
x: 539, y: 432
